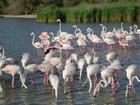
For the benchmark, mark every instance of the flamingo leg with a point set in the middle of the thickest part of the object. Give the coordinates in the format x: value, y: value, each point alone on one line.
x: 33, y: 81
x: 45, y: 78
x: 96, y: 90
x: 72, y: 81
x: 13, y: 81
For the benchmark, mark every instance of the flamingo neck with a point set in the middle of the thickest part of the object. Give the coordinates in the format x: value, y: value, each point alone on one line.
x: 75, y: 29
x: 122, y: 27
x: 135, y: 28
x: 105, y: 83
x: 33, y: 40
x: 52, y: 39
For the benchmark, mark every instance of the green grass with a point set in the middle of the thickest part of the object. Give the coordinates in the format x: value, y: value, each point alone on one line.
x: 88, y: 13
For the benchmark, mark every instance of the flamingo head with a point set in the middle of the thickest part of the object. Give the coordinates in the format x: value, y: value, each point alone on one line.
x: 32, y: 34
x: 135, y: 26
x: 100, y: 24
x: 88, y: 29
x: 74, y: 26
x: 51, y: 33
x: 58, y: 20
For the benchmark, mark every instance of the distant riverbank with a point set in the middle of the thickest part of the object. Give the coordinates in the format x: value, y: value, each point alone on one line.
x: 19, y: 16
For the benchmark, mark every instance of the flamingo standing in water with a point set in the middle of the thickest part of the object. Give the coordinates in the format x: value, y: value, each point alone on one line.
x: 132, y: 72
x: 68, y: 73
x: 13, y: 70
x: 28, y: 68
x: 94, y: 38
x: 37, y: 45
x: 54, y: 80
x: 111, y: 56
x: 107, y: 38
x: 47, y: 69
x: 109, y: 75
x: 81, y: 41
x: 137, y: 31
x: 56, y: 61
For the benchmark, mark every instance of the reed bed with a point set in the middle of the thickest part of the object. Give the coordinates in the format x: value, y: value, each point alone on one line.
x: 89, y: 13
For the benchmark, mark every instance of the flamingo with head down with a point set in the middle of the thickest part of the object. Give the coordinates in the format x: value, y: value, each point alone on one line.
x: 132, y: 73
x: 13, y: 70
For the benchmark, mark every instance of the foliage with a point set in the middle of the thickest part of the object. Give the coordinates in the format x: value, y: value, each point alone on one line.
x: 3, y: 4
x: 106, y: 12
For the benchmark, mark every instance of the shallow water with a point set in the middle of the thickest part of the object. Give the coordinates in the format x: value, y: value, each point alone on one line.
x: 15, y: 38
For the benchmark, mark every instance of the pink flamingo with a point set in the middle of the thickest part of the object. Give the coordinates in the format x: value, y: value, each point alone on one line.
x: 13, y: 70
x: 81, y: 41
x: 37, y: 45
x: 47, y: 69
x: 94, y: 38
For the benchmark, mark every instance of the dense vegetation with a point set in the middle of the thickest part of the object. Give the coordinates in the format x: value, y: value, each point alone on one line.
x: 75, y: 10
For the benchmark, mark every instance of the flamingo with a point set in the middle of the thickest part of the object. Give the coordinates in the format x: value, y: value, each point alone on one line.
x: 47, y: 69
x: 94, y: 38
x: 88, y: 57
x: 81, y: 62
x: 132, y: 73
x: 2, y: 53
x: 56, y: 61
x: 92, y: 69
x: 68, y: 73
x: 64, y: 43
x: 111, y: 56
x: 54, y: 80
x: 81, y: 41
x: 108, y: 75
x: 13, y: 70
x: 107, y: 78
x: 28, y: 68
x: 130, y: 37
x: 136, y: 30
x: 37, y: 45
x: 107, y: 38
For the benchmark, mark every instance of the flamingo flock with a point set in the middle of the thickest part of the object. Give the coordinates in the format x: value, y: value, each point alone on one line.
x: 58, y: 66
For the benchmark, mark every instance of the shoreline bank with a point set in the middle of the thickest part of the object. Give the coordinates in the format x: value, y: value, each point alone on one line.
x: 19, y: 16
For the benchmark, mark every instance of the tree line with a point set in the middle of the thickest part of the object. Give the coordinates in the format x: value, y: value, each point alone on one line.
x: 23, y: 7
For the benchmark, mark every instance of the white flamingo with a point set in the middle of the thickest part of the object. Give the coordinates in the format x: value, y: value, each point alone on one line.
x: 111, y: 56
x: 54, y: 80
x: 56, y: 61
x: 28, y: 68
x: 136, y: 30
x: 107, y: 38
x: 109, y: 75
x: 107, y: 78
x: 132, y: 72
x: 88, y: 57
x: 68, y: 73
x: 92, y: 69
x: 80, y: 62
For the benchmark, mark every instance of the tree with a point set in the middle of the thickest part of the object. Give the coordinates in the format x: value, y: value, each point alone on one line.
x: 3, y: 4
